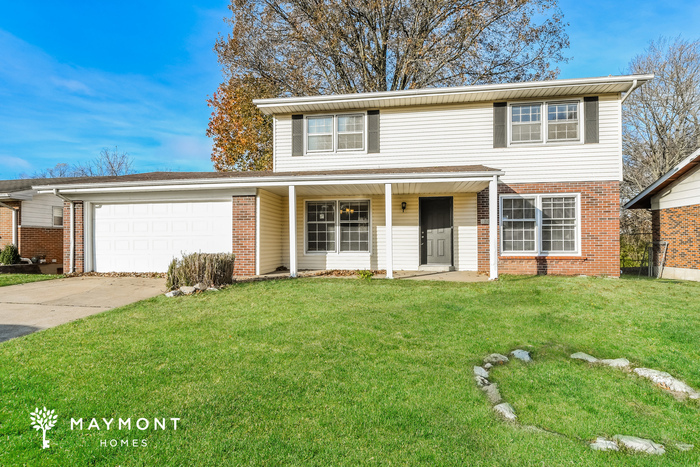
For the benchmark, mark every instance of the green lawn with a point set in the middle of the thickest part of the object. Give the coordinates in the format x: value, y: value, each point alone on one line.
x: 342, y: 371
x: 12, y: 279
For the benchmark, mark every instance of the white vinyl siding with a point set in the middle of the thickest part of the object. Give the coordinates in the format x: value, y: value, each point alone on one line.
x: 685, y: 192
x: 462, y: 135
x: 406, y: 235
x: 272, y: 234
x: 38, y: 212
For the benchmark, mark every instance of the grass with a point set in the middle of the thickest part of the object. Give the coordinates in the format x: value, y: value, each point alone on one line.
x: 345, y: 372
x: 12, y: 279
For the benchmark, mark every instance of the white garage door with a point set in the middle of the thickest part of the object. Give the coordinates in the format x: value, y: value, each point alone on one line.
x: 145, y: 237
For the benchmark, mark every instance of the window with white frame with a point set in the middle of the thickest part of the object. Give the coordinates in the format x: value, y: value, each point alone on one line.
x: 337, y: 226
x: 320, y: 226
x: 563, y: 122
x: 354, y: 225
x: 57, y: 216
x: 319, y: 134
x: 526, y: 123
x: 331, y: 133
x: 539, y: 224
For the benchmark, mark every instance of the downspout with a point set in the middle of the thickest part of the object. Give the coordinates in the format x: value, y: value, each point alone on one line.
x: 629, y: 91
x: 15, y: 224
x: 72, y: 229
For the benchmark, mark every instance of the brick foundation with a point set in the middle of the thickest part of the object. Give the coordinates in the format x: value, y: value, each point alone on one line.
x: 244, y: 235
x: 679, y: 227
x: 600, y: 228
x: 79, y: 239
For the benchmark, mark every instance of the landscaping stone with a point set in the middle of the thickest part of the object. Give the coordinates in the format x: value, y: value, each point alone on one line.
x: 496, y: 359
x: 684, y: 447
x: 479, y: 371
x: 667, y: 381
x: 212, y: 289
x: 602, y: 444
x: 173, y: 293
x: 615, y: 363
x: 584, y: 356
x: 640, y: 444
x: 523, y: 355
x: 187, y: 290
x: 481, y: 381
x: 492, y: 393
x: 488, y: 366
x: 200, y: 286
x: 506, y: 411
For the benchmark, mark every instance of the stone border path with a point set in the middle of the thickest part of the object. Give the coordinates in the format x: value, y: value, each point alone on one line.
x: 632, y: 443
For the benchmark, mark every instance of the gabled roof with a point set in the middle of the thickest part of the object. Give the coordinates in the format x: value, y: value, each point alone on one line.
x: 643, y: 199
x: 454, y: 95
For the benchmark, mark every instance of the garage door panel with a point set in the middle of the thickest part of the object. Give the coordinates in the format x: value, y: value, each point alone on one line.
x: 146, y: 237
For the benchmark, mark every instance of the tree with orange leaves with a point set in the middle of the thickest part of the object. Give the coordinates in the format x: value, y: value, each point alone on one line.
x: 242, y: 135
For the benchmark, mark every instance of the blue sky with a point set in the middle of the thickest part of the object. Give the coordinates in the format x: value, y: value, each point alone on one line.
x: 79, y: 76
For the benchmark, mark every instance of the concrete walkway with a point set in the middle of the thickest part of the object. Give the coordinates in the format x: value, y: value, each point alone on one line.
x: 26, y: 308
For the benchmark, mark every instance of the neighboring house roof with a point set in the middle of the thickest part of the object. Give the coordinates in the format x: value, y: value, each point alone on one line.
x: 8, y: 187
x: 454, y: 95
x: 643, y: 199
x: 178, y: 178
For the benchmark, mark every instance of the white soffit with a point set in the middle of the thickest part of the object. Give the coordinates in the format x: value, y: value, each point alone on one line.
x: 454, y: 95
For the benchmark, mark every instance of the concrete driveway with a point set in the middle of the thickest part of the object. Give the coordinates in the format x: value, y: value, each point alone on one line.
x: 26, y: 308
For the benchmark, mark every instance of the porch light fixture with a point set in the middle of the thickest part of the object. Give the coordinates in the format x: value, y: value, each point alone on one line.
x: 403, y: 206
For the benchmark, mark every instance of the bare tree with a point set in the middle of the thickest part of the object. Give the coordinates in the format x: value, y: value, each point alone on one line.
x: 108, y: 163
x: 307, y: 47
x: 661, y: 120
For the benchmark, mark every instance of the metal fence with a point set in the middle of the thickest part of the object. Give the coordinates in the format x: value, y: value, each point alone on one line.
x: 641, y: 255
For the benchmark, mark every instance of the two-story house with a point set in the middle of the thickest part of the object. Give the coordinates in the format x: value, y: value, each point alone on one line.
x: 519, y: 178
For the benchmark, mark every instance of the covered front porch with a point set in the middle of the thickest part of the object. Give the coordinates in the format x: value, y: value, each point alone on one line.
x: 407, y: 224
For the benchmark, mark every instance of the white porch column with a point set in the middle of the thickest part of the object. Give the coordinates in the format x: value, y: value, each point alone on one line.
x: 389, y: 238
x: 15, y: 227
x: 493, y: 228
x: 292, y: 231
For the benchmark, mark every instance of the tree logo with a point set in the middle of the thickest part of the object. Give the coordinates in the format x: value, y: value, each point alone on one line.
x: 43, y: 420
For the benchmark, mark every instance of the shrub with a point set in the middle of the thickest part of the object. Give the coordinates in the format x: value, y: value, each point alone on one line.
x: 9, y: 255
x: 210, y: 269
x: 364, y: 274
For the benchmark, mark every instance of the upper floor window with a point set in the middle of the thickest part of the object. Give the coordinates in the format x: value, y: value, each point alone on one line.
x: 331, y: 133
x: 562, y: 122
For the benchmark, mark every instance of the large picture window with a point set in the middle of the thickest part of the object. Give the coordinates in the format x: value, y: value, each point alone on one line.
x: 540, y: 224
x: 332, y: 133
x: 338, y: 226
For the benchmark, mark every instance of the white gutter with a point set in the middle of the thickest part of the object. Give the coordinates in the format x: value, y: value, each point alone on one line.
x: 15, y: 224
x: 254, y: 182
x: 627, y: 94
x: 72, y: 229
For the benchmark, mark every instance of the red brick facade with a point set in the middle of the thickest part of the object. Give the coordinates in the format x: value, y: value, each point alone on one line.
x: 6, y: 223
x: 600, y: 227
x: 680, y: 227
x: 244, y: 235
x: 79, y: 239
x: 44, y: 242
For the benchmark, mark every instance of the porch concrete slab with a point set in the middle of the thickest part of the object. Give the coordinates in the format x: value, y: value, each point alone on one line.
x: 448, y: 276
x: 26, y: 308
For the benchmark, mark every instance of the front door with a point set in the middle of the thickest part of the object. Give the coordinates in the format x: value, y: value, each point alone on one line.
x: 436, y: 231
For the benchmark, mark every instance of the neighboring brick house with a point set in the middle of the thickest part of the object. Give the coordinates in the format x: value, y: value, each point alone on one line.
x: 32, y: 221
x: 674, y: 201
x: 522, y: 178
